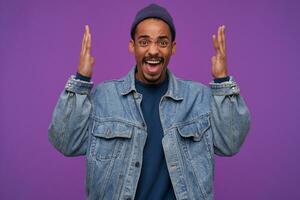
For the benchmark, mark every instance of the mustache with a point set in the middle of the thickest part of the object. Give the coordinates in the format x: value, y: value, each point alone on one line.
x: 161, y: 59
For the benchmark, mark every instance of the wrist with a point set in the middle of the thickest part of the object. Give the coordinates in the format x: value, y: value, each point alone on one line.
x: 220, y: 75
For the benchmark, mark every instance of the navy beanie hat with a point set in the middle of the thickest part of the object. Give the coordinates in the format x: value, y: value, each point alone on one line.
x: 153, y: 11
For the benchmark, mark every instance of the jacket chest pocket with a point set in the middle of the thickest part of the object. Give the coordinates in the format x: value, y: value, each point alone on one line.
x: 194, y: 140
x: 109, y: 139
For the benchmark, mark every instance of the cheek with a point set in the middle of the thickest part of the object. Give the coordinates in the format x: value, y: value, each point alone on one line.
x: 167, y: 54
x: 139, y: 55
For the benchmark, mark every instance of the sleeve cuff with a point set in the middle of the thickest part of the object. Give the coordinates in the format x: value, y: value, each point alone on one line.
x: 82, y: 78
x: 225, y: 88
x: 78, y: 86
x: 223, y: 79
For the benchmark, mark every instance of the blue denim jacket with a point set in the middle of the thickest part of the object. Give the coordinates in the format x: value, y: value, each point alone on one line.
x: 106, y: 124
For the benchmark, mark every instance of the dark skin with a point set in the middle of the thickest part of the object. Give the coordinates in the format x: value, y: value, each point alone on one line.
x: 153, y: 48
x: 86, y: 60
x: 153, y: 41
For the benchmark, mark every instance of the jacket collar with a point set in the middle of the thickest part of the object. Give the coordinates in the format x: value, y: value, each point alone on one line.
x: 173, y: 87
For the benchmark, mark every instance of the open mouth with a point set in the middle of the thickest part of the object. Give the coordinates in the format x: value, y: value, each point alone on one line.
x: 153, y: 62
x: 153, y: 66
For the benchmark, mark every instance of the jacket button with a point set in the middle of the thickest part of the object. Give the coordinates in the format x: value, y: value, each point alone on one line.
x: 143, y: 124
x: 137, y: 164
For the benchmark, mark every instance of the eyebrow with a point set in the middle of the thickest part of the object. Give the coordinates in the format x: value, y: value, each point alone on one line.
x: 143, y: 36
x: 147, y: 36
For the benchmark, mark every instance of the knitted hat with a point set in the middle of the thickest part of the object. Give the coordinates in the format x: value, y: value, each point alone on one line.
x: 153, y: 11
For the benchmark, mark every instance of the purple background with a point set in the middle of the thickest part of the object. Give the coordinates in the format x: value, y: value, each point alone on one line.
x: 39, y: 49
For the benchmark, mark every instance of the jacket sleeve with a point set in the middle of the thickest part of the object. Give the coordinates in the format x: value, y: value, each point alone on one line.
x: 68, y: 130
x: 230, y: 118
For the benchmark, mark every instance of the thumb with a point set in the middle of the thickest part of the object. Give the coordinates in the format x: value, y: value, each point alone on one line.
x: 213, y: 59
x: 92, y: 60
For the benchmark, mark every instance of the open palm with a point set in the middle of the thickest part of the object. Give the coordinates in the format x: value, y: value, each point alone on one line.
x: 219, y: 63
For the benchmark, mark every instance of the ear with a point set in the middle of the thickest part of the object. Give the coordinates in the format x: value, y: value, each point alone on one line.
x: 173, y: 47
x: 131, y: 46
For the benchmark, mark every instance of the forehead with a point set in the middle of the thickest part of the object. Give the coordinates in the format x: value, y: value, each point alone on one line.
x: 153, y: 28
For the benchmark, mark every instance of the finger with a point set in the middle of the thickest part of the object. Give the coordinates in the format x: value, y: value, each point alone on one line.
x: 220, y: 39
x: 88, y: 44
x: 87, y: 28
x: 224, y: 40
x: 216, y: 44
x: 83, y: 43
x: 88, y: 39
x: 92, y: 60
x: 85, y: 40
x: 213, y: 60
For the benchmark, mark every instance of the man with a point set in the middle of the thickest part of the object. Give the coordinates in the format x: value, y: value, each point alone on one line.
x: 150, y: 135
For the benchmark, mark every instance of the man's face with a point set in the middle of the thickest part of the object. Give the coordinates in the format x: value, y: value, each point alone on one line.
x: 152, y: 47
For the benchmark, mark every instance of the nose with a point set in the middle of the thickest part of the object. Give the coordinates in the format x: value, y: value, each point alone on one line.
x: 153, y: 49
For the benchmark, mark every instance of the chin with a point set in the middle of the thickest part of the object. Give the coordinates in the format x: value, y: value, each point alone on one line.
x: 152, y: 78
x: 151, y: 74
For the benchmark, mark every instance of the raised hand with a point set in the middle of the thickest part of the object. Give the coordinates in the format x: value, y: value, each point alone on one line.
x: 219, y: 63
x: 86, y: 61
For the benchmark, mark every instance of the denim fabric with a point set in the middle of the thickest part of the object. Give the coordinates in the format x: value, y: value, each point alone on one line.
x: 106, y: 124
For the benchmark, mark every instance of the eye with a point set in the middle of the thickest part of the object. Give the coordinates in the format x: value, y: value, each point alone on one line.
x: 143, y: 43
x: 163, y: 43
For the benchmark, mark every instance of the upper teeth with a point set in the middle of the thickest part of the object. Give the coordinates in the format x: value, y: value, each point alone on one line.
x: 153, y: 61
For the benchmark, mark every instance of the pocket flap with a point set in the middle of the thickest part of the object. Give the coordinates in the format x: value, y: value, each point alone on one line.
x: 112, y: 130
x: 194, y: 129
